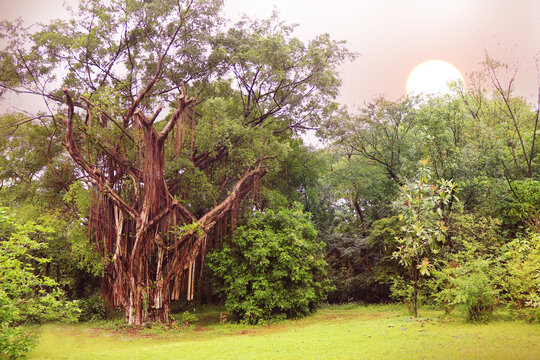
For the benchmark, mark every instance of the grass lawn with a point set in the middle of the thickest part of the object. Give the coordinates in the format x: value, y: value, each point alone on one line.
x: 345, y: 332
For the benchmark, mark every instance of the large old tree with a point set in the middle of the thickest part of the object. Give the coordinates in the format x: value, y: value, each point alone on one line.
x: 164, y: 187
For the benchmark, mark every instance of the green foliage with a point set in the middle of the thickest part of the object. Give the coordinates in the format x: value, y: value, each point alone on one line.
x: 521, y: 282
x: 350, y: 260
x: 186, y: 318
x: 366, y: 188
x: 383, y: 134
x: 401, y: 290
x: 525, y: 205
x: 468, y: 271
x: 32, y: 168
x: 36, y: 181
x: 275, y: 62
x: 475, y: 289
x: 484, y: 232
x: 274, y: 270
x: 383, y: 240
x: 193, y: 229
x: 420, y: 205
x: 93, y: 308
x: 470, y: 277
x: 24, y: 296
x: 445, y: 133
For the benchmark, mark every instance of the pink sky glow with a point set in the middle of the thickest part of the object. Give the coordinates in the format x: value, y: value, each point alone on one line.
x: 391, y: 36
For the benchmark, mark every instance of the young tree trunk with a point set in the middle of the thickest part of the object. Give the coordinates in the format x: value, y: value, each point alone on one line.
x: 414, y: 274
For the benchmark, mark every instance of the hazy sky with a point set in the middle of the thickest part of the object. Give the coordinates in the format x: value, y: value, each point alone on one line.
x: 391, y: 36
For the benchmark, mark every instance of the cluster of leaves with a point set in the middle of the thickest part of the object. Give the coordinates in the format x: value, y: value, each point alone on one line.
x: 350, y: 257
x: 24, y: 296
x: 275, y: 269
x: 186, y: 318
x: 524, y: 207
x: 93, y: 308
x: 475, y: 289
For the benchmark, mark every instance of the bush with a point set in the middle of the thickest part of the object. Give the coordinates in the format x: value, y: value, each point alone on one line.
x: 470, y: 282
x: 14, y: 342
x: 476, y: 291
x: 275, y: 269
x: 468, y: 270
x: 186, y: 318
x: 521, y: 281
x: 93, y: 308
x: 402, y: 291
x: 24, y: 296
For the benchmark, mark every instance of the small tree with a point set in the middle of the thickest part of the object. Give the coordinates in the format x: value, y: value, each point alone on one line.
x: 24, y: 296
x: 421, y: 205
x: 275, y: 269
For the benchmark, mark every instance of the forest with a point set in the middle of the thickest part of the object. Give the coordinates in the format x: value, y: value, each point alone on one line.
x: 167, y: 168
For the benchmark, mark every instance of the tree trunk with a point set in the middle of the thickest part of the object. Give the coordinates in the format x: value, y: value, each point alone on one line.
x: 359, y: 211
x: 414, y: 273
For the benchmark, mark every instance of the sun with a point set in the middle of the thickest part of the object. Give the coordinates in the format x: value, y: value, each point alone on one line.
x: 432, y: 78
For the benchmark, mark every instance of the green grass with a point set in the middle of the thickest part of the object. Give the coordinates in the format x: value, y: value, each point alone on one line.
x: 346, y: 332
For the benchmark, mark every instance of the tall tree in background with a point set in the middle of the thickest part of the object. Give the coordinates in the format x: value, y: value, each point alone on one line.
x: 506, y: 121
x: 165, y: 188
x: 382, y: 133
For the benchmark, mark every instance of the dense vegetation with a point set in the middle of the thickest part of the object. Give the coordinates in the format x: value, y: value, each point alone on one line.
x: 432, y: 200
x: 24, y: 295
x: 274, y: 270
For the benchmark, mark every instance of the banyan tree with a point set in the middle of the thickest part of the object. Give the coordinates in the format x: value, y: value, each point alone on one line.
x: 172, y: 123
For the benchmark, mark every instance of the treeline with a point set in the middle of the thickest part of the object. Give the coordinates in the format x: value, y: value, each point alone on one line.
x: 442, y: 190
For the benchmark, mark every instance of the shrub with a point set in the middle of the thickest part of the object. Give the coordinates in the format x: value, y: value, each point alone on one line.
x: 522, y: 279
x: 186, y: 318
x: 24, y: 296
x: 93, y: 308
x: 468, y: 268
x: 475, y: 289
x: 275, y: 269
x: 401, y: 290
x: 470, y: 282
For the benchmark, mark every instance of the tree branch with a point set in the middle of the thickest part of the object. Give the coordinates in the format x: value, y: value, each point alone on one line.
x: 183, y: 104
x: 96, y: 176
x: 152, y: 81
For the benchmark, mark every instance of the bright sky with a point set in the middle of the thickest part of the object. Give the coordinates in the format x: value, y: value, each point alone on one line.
x: 391, y: 36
